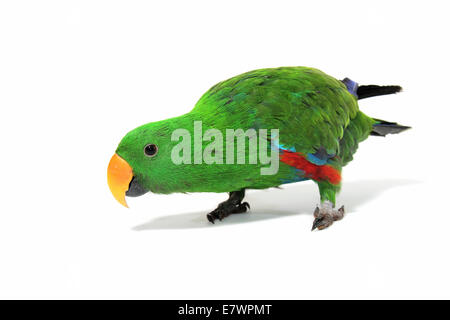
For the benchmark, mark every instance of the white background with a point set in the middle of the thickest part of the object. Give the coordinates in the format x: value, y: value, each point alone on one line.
x: 75, y: 76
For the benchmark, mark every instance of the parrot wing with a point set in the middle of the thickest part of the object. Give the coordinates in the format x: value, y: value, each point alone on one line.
x: 310, y: 109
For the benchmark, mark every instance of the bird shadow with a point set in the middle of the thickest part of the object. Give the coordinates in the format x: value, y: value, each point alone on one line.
x: 279, y: 203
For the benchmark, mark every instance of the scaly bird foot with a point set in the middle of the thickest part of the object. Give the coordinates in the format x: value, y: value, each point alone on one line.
x: 233, y: 205
x: 326, y: 215
x: 225, y: 209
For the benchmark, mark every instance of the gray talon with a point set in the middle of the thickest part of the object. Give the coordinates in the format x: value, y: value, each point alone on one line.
x: 316, y: 223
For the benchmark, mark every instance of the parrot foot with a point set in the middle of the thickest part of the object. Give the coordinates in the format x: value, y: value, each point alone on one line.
x: 233, y: 205
x: 326, y: 215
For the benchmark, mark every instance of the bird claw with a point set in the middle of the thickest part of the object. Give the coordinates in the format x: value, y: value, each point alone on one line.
x: 224, y: 211
x: 210, y: 218
x: 243, y: 207
x: 317, y: 223
x: 325, y: 216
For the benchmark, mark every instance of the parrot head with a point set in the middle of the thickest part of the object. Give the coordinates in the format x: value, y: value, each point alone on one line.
x: 141, y: 161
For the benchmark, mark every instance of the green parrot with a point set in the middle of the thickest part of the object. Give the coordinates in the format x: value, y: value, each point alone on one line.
x: 257, y: 130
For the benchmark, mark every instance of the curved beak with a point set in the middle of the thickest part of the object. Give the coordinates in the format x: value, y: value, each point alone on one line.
x: 120, y: 175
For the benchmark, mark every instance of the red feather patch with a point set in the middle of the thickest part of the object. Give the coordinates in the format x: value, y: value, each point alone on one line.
x: 312, y: 171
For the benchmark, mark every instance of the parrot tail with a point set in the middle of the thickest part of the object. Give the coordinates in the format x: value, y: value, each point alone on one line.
x: 363, y: 92
x: 381, y: 128
x: 373, y: 90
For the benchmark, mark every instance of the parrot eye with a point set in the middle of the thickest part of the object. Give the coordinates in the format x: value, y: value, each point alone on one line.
x: 151, y: 150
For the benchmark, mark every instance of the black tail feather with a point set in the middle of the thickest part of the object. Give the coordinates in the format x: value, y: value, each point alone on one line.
x: 381, y: 128
x: 374, y: 90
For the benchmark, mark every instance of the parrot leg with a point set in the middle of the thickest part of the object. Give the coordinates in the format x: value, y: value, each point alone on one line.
x: 326, y: 214
x: 233, y: 205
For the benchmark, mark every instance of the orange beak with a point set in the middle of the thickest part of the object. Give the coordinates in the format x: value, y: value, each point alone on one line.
x: 119, y: 178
